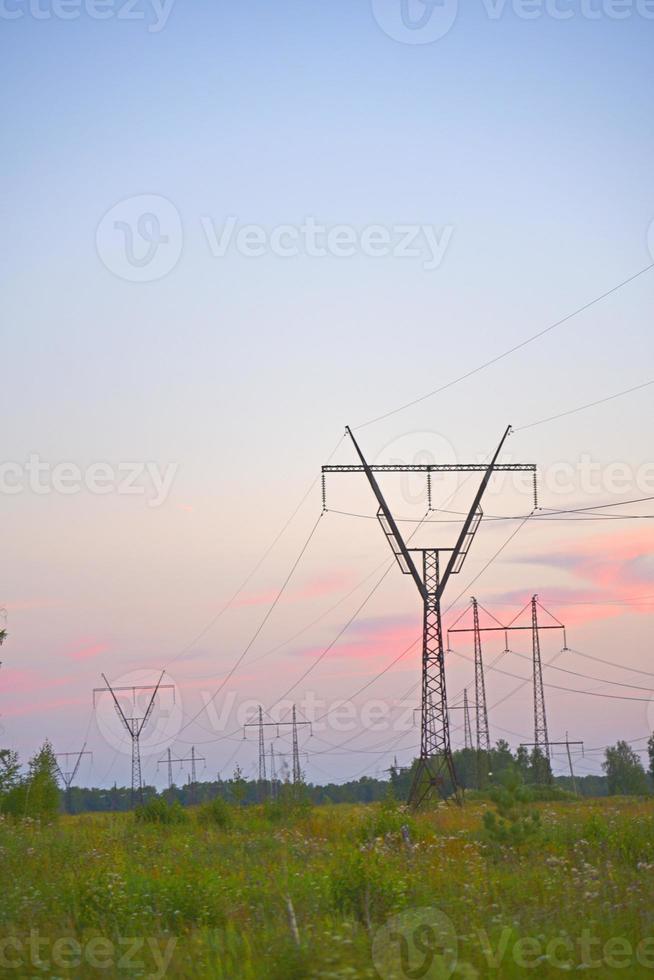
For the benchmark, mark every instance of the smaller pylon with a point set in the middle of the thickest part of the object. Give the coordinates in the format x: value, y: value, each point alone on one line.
x: 135, y: 725
x: 262, y: 756
x: 467, y: 729
x: 541, y: 739
x: 68, y: 775
x: 297, y: 772
x: 273, y: 773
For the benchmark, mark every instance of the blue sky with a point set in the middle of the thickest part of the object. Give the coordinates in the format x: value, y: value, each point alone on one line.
x: 527, y: 143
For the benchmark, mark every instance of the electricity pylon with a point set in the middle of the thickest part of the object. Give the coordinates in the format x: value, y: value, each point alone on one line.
x: 430, y: 580
x: 481, y: 707
x: 567, y: 743
x: 541, y: 741
x: 297, y: 771
x: 134, y: 726
x: 260, y: 724
x: 467, y: 731
x: 273, y: 773
x: 67, y: 775
x: 192, y: 758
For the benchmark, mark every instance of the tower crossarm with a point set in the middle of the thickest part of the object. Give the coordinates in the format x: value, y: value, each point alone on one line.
x: 432, y: 468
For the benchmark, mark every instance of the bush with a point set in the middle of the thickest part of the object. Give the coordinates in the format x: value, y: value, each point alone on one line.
x: 514, y: 824
x: 387, y: 818
x: 217, y: 813
x: 364, y: 885
x: 156, y: 810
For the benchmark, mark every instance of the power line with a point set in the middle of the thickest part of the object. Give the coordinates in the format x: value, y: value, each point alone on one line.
x: 582, y: 408
x: 509, y: 351
x: 255, y: 635
x: 558, y: 687
x: 255, y: 569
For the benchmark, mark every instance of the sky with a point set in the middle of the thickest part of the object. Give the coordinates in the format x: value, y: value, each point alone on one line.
x: 229, y: 231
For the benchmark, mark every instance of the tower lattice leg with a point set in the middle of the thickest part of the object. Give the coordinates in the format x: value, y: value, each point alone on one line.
x: 137, y: 785
x: 435, y: 750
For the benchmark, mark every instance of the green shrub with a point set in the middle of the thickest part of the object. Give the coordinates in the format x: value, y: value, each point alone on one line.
x: 157, y: 810
x: 514, y: 823
x: 363, y: 884
x: 217, y: 813
x: 386, y: 818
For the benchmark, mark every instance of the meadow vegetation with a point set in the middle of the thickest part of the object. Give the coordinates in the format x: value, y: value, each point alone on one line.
x: 287, y: 890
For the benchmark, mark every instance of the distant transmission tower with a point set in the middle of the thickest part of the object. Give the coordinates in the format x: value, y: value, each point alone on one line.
x: 262, y: 756
x: 193, y: 758
x: 481, y: 708
x: 273, y: 773
x: 541, y: 738
x: 467, y: 730
x: 67, y: 775
x: 430, y: 579
x: 260, y: 724
x: 297, y: 771
x: 134, y: 725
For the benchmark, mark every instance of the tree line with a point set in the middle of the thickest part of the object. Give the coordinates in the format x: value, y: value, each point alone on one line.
x: 34, y: 791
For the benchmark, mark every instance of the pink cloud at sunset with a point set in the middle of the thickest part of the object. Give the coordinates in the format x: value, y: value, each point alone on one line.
x: 379, y: 638
x: 615, y: 572
x: 315, y: 588
x: 25, y: 686
x: 88, y: 651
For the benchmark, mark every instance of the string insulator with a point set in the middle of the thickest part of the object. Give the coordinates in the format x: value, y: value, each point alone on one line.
x: 429, y: 507
x: 324, y: 493
x: 535, y: 490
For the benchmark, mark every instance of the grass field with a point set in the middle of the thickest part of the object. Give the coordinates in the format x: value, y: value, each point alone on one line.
x: 105, y: 895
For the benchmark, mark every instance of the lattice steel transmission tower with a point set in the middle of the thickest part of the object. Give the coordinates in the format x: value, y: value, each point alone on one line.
x: 193, y: 758
x: 431, y: 580
x: 481, y: 707
x: 297, y: 771
x: 273, y: 773
x: 260, y: 725
x: 467, y: 730
x: 541, y: 739
x: 134, y: 725
x: 67, y: 775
